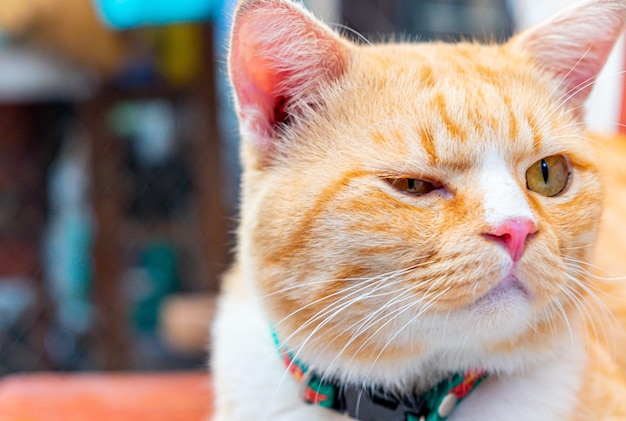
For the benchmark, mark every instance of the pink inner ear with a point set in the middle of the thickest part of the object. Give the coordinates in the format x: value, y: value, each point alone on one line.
x: 260, y: 76
x: 578, y: 72
x: 279, y: 53
x: 574, y: 45
x: 258, y: 82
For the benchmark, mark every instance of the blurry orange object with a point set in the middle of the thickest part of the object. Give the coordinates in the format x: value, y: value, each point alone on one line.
x: 106, y: 397
x: 70, y: 28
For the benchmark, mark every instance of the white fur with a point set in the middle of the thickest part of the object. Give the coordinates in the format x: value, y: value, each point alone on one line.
x: 249, y: 374
x: 503, y: 196
x: 251, y: 382
x: 546, y: 392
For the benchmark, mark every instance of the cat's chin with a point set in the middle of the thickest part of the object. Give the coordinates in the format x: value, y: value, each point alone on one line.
x: 502, y: 313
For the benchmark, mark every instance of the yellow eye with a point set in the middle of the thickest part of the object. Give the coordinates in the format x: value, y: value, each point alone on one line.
x: 411, y: 186
x: 548, y: 176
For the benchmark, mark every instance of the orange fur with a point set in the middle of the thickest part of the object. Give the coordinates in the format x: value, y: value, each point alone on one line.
x: 347, y: 268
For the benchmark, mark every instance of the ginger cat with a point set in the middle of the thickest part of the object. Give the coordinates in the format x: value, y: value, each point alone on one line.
x: 417, y: 227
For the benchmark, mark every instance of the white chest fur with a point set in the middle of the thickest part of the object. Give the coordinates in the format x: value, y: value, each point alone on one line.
x: 545, y: 393
x: 250, y: 380
x: 251, y: 383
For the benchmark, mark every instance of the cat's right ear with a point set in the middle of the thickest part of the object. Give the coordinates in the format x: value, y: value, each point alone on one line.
x: 574, y: 45
x: 279, y: 55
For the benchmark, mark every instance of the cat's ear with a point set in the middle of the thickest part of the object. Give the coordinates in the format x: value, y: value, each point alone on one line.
x: 574, y: 45
x: 279, y: 55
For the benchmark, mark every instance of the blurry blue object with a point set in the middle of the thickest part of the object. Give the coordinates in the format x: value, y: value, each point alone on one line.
x: 122, y: 14
x: 68, y: 240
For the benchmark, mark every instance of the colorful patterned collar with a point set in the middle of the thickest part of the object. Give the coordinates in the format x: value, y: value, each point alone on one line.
x: 376, y: 404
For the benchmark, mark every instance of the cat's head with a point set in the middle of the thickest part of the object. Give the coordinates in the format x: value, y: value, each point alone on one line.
x: 406, y: 200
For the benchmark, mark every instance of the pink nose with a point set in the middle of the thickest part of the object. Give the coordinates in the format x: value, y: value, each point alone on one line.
x: 513, y: 234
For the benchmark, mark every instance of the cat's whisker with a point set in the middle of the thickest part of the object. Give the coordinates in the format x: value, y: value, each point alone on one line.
x: 392, y: 315
x: 586, y: 122
x: 599, y: 304
x: 587, y: 289
x: 359, y: 288
x: 584, y: 246
x: 593, y: 319
x: 363, y: 323
x: 309, y: 284
x: 362, y: 330
x: 332, y: 307
x: 352, y: 31
x: 572, y: 298
x: 338, y: 307
x: 584, y: 272
x: 613, y: 124
x: 431, y: 299
x: 426, y: 307
x: 549, y: 315
x: 581, y: 86
x: 532, y: 327
x: 590, y: 82
x: 579, y: 271
x: 540, y: 110
x: 554, y: 316
x: 362, y: 283
x: 383, y: 309
x: 397, y: 298
x: 580, y: 265
x: 567, y: 96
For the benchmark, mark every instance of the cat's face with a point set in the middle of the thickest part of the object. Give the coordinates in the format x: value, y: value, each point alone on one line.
x: 412, y: 199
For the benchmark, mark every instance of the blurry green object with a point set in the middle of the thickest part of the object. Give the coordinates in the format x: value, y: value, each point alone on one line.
x: 158, y: 261
x: 122, y: 14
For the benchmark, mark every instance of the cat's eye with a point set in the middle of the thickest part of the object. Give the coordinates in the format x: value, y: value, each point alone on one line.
x: 548, y: 176
x: 411, y: 186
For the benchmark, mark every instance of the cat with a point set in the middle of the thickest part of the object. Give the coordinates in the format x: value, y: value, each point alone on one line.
x: 418, y: 217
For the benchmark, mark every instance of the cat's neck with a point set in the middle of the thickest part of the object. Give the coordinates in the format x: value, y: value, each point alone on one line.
x: 250, y: 351
x: 429, y: 367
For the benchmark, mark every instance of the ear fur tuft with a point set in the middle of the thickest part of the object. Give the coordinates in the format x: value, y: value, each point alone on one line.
x: 279, y: 54
x: 574, y: 45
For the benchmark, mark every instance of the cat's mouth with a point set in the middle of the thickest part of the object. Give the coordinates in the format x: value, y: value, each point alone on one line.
x: 510, y: 288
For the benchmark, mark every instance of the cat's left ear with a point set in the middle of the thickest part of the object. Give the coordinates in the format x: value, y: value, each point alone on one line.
x: 280, y: 55
x: 574, y: 45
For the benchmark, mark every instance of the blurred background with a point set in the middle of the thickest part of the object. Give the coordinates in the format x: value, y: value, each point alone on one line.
x: 119, y: 173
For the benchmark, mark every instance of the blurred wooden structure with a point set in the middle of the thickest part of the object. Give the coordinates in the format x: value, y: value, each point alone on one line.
x: 110, y: 203
x: 205, y: 232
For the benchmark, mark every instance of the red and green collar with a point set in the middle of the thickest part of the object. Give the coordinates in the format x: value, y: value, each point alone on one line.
x: 376, y: 404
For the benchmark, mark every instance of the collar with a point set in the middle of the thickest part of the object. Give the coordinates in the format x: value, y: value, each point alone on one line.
x: 375, y: 403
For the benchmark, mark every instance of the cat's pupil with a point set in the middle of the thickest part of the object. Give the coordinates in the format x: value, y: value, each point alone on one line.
x: 544, y: 171
x: 548, y: 176
x: 411, y: 184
